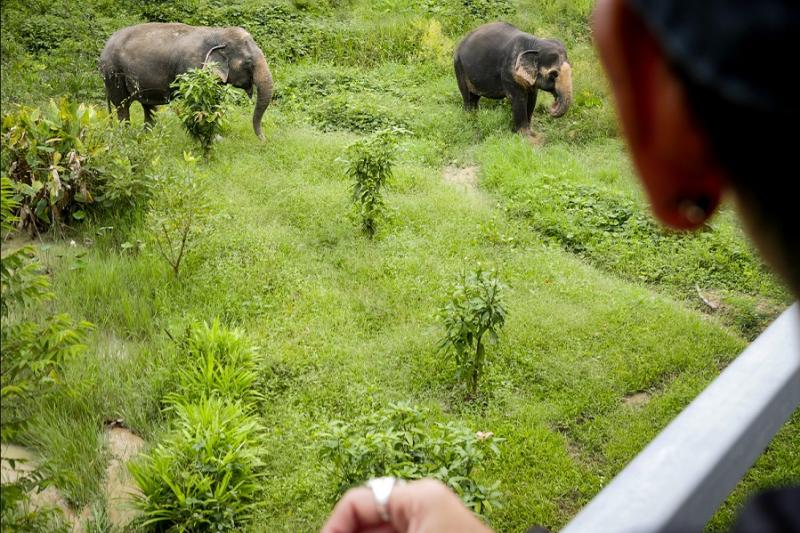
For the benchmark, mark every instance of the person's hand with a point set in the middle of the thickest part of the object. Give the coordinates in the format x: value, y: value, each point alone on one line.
x: 424, y: 506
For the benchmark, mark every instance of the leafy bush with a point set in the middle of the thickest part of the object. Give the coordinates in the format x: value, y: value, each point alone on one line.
x: 346, y: 112
x: 202, y: 104
x: 369, y: 165
x: 217, y: 364
x: 49, y: 154
x: 475, y: 310
x: 178, y: 212
x: 396, y: 442
x: 68, y: 158
x: 207, y: 475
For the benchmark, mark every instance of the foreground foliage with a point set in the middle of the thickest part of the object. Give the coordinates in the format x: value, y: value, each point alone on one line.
x: 397, y: 441
x: 207, y: 473
x: 67, y: 159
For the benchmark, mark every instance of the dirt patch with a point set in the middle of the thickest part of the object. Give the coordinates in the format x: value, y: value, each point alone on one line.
x: 24, y: 462
x: 123, y: 445
x: 119, y: 487
x: 465, y: 178
x: 637, y: 399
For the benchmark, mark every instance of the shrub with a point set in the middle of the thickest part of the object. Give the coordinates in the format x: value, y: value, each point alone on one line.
x: 345, y: 112
x: 475, y: 312
x: 179, y: 210
x: 68, y: 158
x: 207, y: 475
x: 396, y: 442
x: 48, y: 155
x: 218, y: 364
x: 369, y: 165
x: 202, y: 104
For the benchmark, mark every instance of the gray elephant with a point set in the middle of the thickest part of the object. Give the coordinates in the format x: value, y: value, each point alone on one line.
x: 498, y: 60
x: 140, y: 62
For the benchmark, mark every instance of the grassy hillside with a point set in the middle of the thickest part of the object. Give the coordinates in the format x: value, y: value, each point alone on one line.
x: 606, y: 338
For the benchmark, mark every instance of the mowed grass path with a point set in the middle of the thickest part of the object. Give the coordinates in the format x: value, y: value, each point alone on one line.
x: 349, y: 324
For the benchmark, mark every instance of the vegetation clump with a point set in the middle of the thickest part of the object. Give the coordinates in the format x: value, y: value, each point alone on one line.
x: 397, y: 441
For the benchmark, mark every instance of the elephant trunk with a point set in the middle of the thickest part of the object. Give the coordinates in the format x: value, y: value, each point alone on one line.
x: 262, y: 79
x: 562, y: 91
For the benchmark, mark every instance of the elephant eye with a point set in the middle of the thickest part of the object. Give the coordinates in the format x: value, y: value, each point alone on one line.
x: 553, y: 74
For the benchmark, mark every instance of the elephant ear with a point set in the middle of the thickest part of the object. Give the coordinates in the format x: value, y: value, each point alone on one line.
x: 525, y: 68
x: 219, y: 62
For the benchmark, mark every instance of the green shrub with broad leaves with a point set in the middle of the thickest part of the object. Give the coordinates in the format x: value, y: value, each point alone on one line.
x: 49, y: 154
x: 397, y: 441
x: 474, y: 315
x: 202, y: 103
x: 207, y: 474
x: 66, y: 159
x: 217, y: 363
x: 369, y: 165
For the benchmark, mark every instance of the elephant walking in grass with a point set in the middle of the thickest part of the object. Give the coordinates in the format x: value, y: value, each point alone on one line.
x: 499, y: 61
x: 140, y: 62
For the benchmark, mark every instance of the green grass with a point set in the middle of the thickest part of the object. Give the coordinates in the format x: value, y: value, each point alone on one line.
x: 602, y: 304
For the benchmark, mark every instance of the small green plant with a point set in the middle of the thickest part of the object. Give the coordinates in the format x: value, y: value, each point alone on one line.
x: 179, y: 210
x: 32, y: 358
x: 369, y: 165
x: 475, y: 312
x: 17, y: 513
x: 396, y: 442
x: 345, y: 112
x: 207, y: 475
x: 218, y: 364
x: 202, y: 104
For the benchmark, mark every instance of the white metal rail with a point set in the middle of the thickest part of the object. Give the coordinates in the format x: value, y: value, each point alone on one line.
x: 679, y: 480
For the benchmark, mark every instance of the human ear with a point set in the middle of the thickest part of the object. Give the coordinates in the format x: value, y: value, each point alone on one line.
x: 670, y: 150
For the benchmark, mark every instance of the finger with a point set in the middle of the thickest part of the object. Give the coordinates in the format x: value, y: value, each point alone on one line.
x: 355, y: 512
x: 383, y: 528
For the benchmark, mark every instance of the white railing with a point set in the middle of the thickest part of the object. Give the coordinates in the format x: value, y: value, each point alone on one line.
x: 679, y: 480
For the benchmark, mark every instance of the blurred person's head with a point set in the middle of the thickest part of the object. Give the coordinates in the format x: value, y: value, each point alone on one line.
x: 704, y: 94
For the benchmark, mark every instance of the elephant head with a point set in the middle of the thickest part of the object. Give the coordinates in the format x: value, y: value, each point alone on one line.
x: 546, y: 67
x: 238, y: 61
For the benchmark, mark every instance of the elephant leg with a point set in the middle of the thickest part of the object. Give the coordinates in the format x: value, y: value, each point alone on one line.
x: 470, y: 99
x: 117, y: 95
x: 531, y: 103
x: 149, y: 111
x: 124, y: 111
x: 519, y: 108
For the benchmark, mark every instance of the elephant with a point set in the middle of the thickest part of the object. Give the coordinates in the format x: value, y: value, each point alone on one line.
x: 138, y: 63
x: 497, y: 60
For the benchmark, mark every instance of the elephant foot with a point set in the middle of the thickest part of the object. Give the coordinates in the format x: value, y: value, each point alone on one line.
x: 535, y: 139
